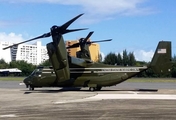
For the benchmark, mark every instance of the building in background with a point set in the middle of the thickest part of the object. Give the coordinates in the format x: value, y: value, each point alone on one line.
x: 36, y: 53
x: 5, y: 54
x: 94, y: 49
x: 32, y: 53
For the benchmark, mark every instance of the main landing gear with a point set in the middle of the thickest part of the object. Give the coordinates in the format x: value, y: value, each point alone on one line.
x: 94, y: 88
x: 31, y: 88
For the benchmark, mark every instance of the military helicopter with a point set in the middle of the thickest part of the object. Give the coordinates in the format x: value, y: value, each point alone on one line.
x: 67, y: 71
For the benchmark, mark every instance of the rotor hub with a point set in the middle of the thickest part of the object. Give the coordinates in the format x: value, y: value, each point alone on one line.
x: 55, y: 30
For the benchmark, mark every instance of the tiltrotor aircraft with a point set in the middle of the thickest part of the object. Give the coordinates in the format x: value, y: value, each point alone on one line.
x: 67, y: 71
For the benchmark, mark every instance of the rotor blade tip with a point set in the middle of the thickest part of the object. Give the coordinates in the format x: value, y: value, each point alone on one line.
x: 80, y: 15
x: 5, y: 48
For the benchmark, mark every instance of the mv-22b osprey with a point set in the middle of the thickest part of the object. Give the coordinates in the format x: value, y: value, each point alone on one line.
x: 80, y: 71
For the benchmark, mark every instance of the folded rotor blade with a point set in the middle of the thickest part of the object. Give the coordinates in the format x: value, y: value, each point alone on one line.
x: 81, y: 43
x: 74, y: 45
x: 87, y: 37
x: 73, y: 30
x: 65, y: 26
x: 99, y: 41
x: 61, y: 29
x: 78, y: 44
x: 42, y: 36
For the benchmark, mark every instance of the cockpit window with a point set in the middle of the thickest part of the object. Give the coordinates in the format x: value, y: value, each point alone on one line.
x: 37, y: 71
x: 33, y: 72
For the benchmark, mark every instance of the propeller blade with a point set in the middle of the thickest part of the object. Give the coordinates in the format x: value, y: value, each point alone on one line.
x: 73, y: 30
x: 99, y: 41
x: 74, y: 45
x: 82, y: 43
x: 87, y: 37
x: 63, y: 29
x: 42, y: 36
x: 65, y: 26
x: 78, y: 44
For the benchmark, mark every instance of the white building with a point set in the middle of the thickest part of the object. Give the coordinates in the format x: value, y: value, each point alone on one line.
x: 34, y: 53
x: 5, y: 54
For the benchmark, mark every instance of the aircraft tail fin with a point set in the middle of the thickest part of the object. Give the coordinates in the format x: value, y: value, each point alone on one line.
x: 161, y: 62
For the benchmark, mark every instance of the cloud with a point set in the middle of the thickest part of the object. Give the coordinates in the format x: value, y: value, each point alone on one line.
x: 97, y: 10
x: 143, y: 55
x: 11, y: 37
x: 102, y: 55
x: 15, y: 38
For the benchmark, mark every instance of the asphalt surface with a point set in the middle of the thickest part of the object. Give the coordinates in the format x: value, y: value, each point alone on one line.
x: 134, y: 101
x: 123, y: 85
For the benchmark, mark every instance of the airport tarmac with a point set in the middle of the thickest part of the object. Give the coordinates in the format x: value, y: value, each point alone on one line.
x: 122, y: 102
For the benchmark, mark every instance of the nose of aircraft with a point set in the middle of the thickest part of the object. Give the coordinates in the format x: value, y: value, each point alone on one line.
x: 26, y: 81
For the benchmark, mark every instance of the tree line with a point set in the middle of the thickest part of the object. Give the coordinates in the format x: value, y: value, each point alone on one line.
x: 124, y: 59
x: 128, y: 59
x: 25, y: 67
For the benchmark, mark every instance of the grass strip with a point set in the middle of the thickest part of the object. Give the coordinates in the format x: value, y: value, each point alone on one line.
x: 12, y: 78
x: 152, y: 80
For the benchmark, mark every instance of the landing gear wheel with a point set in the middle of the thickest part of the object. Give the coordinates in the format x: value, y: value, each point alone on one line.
x: 31, y: 87
x: 92, y: 89
x: 98, y: 88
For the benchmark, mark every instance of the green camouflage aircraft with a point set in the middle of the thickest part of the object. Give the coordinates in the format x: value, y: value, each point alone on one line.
x: 67, y: 71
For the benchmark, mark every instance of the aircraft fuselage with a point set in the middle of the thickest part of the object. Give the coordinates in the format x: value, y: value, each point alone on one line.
x: 95, y: 75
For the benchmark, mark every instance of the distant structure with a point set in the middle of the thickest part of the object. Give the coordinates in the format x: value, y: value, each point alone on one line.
x: 10, y: 71
x: 5, y: 54
x: 35, y: 53
x: 94, y: 50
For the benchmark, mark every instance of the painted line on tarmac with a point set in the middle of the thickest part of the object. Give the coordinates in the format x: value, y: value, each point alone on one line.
x: 134, y: 96
x: 75, y: 100
x: 8, y: 116
x: 121, y: 96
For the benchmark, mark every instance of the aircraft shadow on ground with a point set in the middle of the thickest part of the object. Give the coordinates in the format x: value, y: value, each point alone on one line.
x: 79, y: 89
x: 52, y: 91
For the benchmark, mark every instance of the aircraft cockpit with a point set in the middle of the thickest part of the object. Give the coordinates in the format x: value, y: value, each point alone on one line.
x: 37, y: 72
x: 32, y: 77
